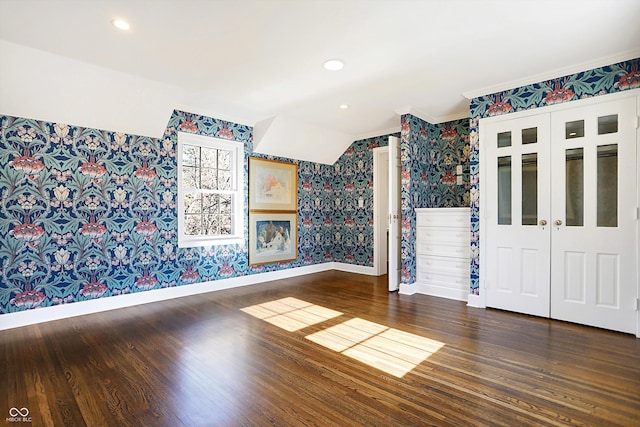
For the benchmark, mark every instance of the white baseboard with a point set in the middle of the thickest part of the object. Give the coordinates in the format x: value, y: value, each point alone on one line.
x: 476, y: 301
x: 408, y: 289
x: 443, y: 291
x: 352, y: 268
x: 63, y: 311
x: 434, y: 291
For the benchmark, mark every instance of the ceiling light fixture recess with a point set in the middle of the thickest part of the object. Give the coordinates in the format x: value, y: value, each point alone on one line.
x: 333, y: 65
x: 120, y: 24
x: 344, y: 106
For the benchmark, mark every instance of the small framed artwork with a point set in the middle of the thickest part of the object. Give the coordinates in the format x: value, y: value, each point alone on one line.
x: 273, y: 185
x: 273, y: 237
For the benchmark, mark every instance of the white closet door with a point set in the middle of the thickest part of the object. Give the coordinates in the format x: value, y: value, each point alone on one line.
x: 593, y: 239
x: 516, y: 207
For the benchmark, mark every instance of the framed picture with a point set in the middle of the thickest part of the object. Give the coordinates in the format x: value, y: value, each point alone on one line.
x: 273, y: 237
x: 273, y: 185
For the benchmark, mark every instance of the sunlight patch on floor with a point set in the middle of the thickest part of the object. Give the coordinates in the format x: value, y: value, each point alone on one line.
x: 291, y: 314
x: 387, y: 349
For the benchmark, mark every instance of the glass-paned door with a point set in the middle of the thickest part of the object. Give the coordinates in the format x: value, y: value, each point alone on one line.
x: 594, y: 199
x: 516, y: 207
x: 560, y: 213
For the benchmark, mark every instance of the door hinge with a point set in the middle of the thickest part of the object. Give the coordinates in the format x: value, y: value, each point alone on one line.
x: 637, y: 304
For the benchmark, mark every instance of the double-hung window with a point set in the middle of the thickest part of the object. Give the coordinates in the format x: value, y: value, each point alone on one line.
x: 210, y: 191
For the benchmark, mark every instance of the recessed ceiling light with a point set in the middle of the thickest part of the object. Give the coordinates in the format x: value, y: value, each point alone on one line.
x: 333, y: 65
x: 344, y: 106
x: 120, y: 24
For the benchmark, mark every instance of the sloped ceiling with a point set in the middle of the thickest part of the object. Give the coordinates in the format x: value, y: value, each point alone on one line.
x: 259, y: 62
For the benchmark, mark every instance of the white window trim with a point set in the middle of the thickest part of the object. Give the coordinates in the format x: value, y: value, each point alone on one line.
x: 237, y: 219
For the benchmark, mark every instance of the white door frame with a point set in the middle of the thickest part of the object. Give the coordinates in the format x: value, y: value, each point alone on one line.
x: 480, y: 300
x: 395, y: 215
x: 638, y: 211
x: 380, y: 211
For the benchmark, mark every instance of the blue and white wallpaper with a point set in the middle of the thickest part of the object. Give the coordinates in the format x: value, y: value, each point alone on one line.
x: 352, y: 181
x: 87, y: 213
x: 599, y: 81
x: 429, y: 155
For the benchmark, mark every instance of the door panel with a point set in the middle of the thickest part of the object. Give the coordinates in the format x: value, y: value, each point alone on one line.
x: 529, y: 271
x: 593, y: 251
x: 572, y: 283
x: 608, y: 282
x: 518, y: 236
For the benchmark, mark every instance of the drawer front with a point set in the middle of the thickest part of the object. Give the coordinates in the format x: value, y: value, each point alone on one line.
x: 443, y: 218
x: 442, y: 250
x: 444, y: 280
x: 450, y: 266
x: 457, y: 236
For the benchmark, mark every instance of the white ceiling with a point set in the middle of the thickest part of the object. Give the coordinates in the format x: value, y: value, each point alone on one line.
x: 260, y: 61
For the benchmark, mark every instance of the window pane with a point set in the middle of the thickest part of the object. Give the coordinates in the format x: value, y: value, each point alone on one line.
x: 190, y: 179
x: 574, y: 129
x: 608, y: 124
x: 209, y: 179
x: 210, y: 203
x: 574, y: 209
x: 193, y: 225
x: 225, y: 204
x: 225, y: 224
x: 504, y: 139
x: 224, y: 180
x: 530, y: 189
x: 224, y: 159
x: 192, y: 203
x: 210, y: 224
x: 190, y: 155
x: 608, y: 186
x: 504, y: 190
x: 530, y: 136
x: 209, y: 157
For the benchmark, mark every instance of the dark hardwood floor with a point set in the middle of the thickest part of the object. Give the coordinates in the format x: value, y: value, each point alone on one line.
x: 203, y: 361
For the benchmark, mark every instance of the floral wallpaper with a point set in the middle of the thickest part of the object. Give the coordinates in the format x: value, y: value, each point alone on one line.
x: 429, y: 155
x: 353, y: 180
x: 87, y: 213
x: 599, y: 81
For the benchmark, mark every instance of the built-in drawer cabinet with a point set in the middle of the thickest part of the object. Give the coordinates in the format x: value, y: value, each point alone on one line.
x: 442, y: 252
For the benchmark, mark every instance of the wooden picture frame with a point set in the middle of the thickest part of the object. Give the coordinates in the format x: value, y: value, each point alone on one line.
x: 273, y: 185
x: 273, y: 237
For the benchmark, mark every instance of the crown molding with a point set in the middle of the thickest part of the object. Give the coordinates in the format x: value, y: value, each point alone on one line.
x: 431, y: 119
x: 549, y: 75
x: 415, y: 112
x: 453, y: 117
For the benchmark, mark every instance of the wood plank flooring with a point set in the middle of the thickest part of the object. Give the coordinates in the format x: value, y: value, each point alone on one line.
x: 202, y: 361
